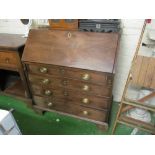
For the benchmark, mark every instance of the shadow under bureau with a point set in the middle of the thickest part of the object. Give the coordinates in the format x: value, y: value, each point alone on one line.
x: 71, y: 72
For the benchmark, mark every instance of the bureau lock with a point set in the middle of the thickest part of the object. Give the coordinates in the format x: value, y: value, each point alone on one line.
x: 69, y: 35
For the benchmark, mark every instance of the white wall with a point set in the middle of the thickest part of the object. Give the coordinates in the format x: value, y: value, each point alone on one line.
x: 131, y: 30
x: 13, y: 26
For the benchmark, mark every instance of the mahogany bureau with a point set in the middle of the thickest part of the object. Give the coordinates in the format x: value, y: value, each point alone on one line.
x: 72, y: 72
x: 11, y: 49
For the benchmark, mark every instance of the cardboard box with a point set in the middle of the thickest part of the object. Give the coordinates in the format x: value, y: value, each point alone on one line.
x: 8, y: 125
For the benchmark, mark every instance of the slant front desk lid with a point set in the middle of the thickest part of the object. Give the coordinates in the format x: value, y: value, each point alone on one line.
x: 84, y: 50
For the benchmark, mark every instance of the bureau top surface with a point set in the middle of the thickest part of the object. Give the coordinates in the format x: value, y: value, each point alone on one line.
x: 84, y: 50
x: 11, y: 41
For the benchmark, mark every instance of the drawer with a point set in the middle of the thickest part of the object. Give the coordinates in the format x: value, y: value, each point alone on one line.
x: 75, y: 85
x: 89, y: 100
x: 47, y: 102
x: 73, y: 96
x: 79, y: 74
x: 41, y: 90
x: 85, y: 112
x: 84, y: 100
x: 8, y: 59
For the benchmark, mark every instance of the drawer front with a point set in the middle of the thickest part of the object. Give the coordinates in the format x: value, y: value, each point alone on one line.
x: 41, y: 90
x: 76, y: 85
x: 47, y: 102
x: 84, y: 100
x: 98, y: 115
x: 73, y: 96
x: 83, y: 75
x: 8, y: 59
x: 89, y: 100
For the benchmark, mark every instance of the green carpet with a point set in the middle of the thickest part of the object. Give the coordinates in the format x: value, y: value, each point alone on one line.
x: 31, y: 123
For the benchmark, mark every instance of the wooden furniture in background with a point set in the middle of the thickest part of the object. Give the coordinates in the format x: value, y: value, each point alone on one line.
x: 72, y: 72
x: 11, y: 49
x: 63, y: 24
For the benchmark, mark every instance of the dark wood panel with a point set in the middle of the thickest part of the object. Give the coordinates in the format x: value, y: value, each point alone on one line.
x: 78, y: 74
x: 92, y: 51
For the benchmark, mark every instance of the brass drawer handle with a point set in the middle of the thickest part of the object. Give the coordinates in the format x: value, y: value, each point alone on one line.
x: 43, y: 70
x: 85, y: 112
x: 85, y: 88
x: 85, y: 100
x: 50, y: 104
x: 45, y: 81
x: 86, y: 77
x: 7, y: 60
x: 48, y: 92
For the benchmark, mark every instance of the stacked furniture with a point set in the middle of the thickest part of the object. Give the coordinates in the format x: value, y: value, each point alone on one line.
x: 71, y: 72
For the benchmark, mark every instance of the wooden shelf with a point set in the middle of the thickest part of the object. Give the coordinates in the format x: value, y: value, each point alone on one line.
x: 139, y: 104
x: 17, y: 89
x: 136, y: 124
